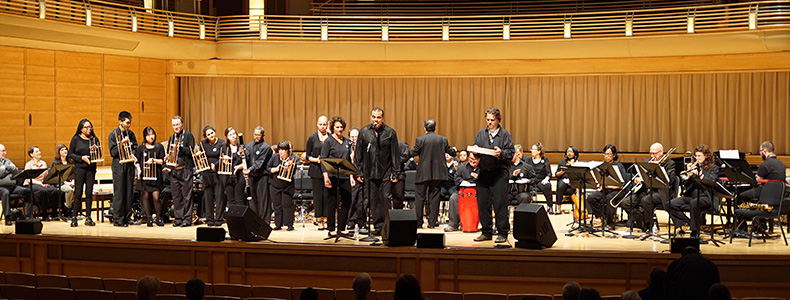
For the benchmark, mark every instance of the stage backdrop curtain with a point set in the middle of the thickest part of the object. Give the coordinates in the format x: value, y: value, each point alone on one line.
x: 721, y: 110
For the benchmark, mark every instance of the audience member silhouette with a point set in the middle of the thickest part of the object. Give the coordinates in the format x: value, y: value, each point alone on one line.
x: 691, y: 276
x: 407, y: 288
x: 361, y: 286
x: 630, y: 295
x: 655, y: 286
x: 719, y: 291
x: 571, y: 291
x: 147, y: 288
x: 309, y: 294
x: 195, y: 289
x: 589, y: 294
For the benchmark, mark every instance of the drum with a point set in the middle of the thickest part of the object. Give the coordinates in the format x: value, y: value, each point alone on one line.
x: 467, y: 209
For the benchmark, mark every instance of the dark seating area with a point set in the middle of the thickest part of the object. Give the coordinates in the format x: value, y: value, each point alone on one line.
x: 467, y: 8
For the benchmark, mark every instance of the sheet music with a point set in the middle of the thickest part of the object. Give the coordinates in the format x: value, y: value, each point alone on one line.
x: 729, y: 154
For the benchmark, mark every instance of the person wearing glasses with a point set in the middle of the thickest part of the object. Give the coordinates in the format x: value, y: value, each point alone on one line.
x: 650, y: 198
x: 492, y: 185
x: 600, y: 204
x: 542, y: 167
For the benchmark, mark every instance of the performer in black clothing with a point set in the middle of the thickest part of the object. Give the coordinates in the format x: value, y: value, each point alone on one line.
x: 181, y: 174
x: 46, y: 196
x: 379, y: 163
x: 466, y: 175
x: 696, y: 198
x: 772, y: 169
x: 563, y: 182
x: 282, y: 191
x: 213, y: 200
x: 398, y: 193
x: 62, y: 158
x: 153, y: 154
x: 431, y: 172
x: 357, y: 214
x: 337, y: 146
x: 84, y: 170
x: 492, y: 182
x: 542, y: 167
x: 522, y: 175
x: 231, y: 185
x: 313, y: 153
x: 649, y: 199
x: 259, y: 152
x: 598, y: 203
x: 449, y: 191
x: 7, y: 185
x: 122, y: 173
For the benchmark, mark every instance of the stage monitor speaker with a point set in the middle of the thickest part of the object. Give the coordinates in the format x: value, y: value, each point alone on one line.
x: 678, y: 244
x: 28, y: 227
x: 532, y: 227
x: 400, y: 228
x: 244, y: 224
x: 430, y: 240
x: 210, y: 234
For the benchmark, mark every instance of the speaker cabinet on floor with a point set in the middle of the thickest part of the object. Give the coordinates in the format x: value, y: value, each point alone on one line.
x: 400, y: 228
x: 678, y: 244
x: 28, y: 227
x: 532, y: 227
x: 244, y: 224
x: 430, y: 240
x: 210, y: 234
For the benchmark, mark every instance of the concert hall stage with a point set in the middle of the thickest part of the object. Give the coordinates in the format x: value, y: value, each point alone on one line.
x: 303, y: 258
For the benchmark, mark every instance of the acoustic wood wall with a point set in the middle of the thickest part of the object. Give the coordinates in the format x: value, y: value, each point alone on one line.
x: 44, y: 94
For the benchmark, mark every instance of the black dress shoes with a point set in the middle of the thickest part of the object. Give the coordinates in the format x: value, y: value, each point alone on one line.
x: 89, y: 222
x: 73, y: 222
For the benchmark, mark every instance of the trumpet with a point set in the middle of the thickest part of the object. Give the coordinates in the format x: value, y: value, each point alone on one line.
x: 199, y: 157
x: 149, y: 169
x: 226, y: 163
x: 125, y: 154
x: 690, y: 167
x: 286, y: 172
x: 172, y: 153
x: 95, y: 150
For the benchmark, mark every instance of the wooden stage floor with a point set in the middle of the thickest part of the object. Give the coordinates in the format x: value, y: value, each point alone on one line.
x: 308, y: 234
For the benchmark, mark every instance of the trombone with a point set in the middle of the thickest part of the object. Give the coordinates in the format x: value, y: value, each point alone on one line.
x: 125, y: 154
x: 172, y: 153
x: 638, y: 186
x: 286, y: 172
x: 199, y: 157
x: 95, y: 150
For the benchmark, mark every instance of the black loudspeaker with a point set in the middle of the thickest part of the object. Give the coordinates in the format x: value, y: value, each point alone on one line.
x: 678, y: 244
x: 244, y: 224
x: 400, y: 228
x: 532, y: 227
x: 28, y: 227
x: 430, y: 240
x: 210, y: 234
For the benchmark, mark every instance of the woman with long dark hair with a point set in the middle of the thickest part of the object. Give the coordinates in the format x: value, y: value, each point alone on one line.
x: 150, y: 157
x: 62, y: 158
x: 84, y: 170
x: 232, y: 184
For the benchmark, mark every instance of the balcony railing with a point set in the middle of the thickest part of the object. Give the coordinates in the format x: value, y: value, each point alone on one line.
x: 739, y: 17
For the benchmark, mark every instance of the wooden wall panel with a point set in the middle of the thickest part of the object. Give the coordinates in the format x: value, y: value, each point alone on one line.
x: 12, y: 93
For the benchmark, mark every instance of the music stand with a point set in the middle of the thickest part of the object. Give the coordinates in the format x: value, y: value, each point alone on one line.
x: 59, y: 174
x: 737, y: 171
x: 339, y: 166
x: 611, y: 178
x: 717, y: 190
x: 654, y: 176
x: 581, y: 178
x: 29, y: 175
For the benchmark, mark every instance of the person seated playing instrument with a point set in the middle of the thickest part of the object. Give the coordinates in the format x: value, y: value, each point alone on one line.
x: 695, y: 198
x: 563, y: 182
x: 521, y: 175
x: 45, y: 196
x: 542, y: 167
x: 648, y: 199
x: 465, y: 176
x: 600, y: 204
